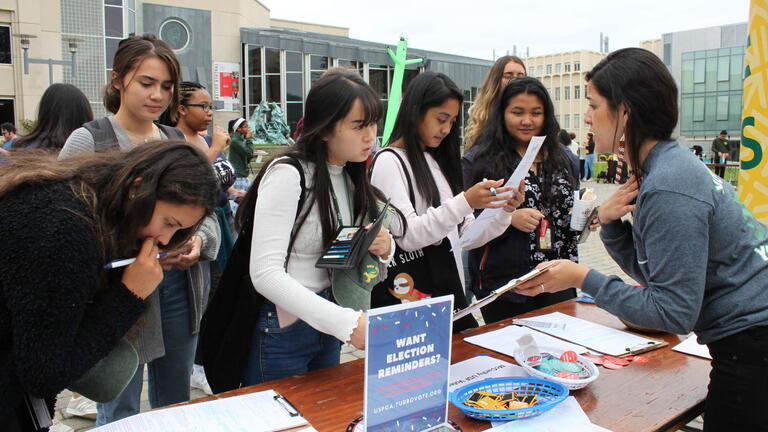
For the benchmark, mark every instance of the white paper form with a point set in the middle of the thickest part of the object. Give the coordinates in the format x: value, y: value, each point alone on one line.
x: 567, y: 416
x: 255, y: 412
x: 690, y: 346
x: 480, y: 368
x: 596, y: 337
x: 504, y: 340
x: 486, y: 216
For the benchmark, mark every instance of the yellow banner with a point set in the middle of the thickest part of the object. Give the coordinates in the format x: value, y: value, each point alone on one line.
x: 753, y: 176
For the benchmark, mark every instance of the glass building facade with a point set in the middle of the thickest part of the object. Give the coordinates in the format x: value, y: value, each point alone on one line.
x: 711, y: 91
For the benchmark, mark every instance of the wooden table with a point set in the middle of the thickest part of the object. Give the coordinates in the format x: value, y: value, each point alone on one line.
x: 666, y: 392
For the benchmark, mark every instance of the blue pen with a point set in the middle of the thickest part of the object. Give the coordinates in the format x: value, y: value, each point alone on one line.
x: 127, y: 261
x: 493, y: 189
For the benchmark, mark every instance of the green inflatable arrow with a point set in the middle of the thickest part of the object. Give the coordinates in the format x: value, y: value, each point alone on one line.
x: 397, y: 87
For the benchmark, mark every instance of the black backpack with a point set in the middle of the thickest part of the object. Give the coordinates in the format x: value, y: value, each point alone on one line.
x: 224, y: 341
x: 105, y: 140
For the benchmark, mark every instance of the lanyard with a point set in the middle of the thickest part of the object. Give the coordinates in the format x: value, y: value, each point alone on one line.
x: 336, y: 203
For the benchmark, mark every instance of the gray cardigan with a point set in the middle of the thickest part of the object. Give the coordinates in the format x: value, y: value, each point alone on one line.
x: 146, y: 335
x: 700, y: 254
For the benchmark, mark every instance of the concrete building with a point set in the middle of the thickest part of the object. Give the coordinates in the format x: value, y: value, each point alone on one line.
x: 233, y: 47
x: 708, y: 67
x: 563, y: 75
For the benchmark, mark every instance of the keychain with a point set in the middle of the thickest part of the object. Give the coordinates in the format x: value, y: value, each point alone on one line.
x: 544, y: 235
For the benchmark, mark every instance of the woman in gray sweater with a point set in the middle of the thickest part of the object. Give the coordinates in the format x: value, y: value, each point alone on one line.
x: 700, y: 254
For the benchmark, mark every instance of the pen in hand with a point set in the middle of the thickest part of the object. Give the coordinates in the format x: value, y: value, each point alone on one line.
x: 492, y: 189
x: 127, y: 261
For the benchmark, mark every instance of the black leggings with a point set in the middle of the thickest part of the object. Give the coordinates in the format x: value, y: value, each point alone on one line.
x: 501, y: 309
x: 738, y: 384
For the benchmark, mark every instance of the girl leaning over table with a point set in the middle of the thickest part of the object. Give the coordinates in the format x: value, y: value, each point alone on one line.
x: 700, y: 274
x: 421, y: 174
x: 300, y: 327
x: 540, y: 230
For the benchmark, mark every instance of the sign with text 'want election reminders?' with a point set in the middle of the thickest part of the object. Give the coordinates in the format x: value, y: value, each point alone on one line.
x: 408, y: 356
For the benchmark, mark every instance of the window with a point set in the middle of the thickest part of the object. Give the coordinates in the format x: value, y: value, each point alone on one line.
x: 5, y: 44
x: 294, y: 88
x: 119, y: 23
x: 723, y: 68
x: 567, y: 93
x: 698, y: 109
x: 566, y: 121
x: 539, y: 70
x: 576, y: 66
x: 557, y: 68
x: 722, y: 107
x: 577, y: 92
x: 317, y: 66
x: 567, y: 67
x: 585, y: 90
x: 253, y: 67
x: 549, y: 69
x: 557, y: 118
x: 272, y: 75
x: 557, y: 93
x: 699, y: 67
x: 577, y: 121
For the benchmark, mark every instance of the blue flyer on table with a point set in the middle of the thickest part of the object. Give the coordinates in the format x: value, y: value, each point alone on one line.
x: 408, y: 356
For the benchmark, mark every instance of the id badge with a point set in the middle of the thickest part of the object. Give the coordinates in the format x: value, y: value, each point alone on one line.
x: 544, y: 235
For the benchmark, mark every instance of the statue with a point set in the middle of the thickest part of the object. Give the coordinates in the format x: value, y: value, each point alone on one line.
x: 270, y: 131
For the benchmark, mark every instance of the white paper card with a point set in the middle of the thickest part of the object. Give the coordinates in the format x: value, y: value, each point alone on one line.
x: 504, y: 340
x: 486, y: 216
x: 566, y: 417
x: 480, y: 368
x: 690, y: 346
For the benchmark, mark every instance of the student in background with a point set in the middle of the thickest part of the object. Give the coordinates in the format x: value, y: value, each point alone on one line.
x: 300, y: 328
x: 241, y: 152
x: 678, y: 206
x: 9, y: 135
x: 62, y: 109
x: 589, y: 160
x: 720, y: 152
x: 540, y: 229
x: 426, y: 140
x: 145, y: 81
x: 62, y: 311
x: 505, y: 69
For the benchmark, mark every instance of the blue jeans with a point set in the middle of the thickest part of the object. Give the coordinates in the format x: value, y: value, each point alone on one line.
x: 168, y: 376
x: 589, y: 169
x: 243, y: 184
x: 282, y: 352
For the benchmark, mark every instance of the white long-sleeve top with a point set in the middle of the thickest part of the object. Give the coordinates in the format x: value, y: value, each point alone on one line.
x: 426, y: 224
x: 294, y: 292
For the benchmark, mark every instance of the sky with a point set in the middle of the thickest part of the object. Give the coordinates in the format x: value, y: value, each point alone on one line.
x: 476, y: 28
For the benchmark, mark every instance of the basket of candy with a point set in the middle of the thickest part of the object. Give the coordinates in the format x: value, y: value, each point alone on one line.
x: 565, y: 367
x: 508, y: 398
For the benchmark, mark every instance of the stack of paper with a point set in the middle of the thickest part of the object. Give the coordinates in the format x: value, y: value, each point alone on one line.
x: 567, y: 416
x: 255, y: 412
x: 481, y: 368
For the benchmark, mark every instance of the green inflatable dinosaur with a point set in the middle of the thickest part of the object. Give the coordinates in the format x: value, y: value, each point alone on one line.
x: 397, y: 87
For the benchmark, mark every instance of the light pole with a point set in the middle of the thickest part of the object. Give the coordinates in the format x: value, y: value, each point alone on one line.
x: 25, y: 38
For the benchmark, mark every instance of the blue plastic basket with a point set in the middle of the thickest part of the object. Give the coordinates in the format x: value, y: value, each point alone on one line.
x: 549, y: 394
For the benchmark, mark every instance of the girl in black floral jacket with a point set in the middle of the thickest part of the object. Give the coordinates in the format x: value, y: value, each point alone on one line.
x: 540, y: 229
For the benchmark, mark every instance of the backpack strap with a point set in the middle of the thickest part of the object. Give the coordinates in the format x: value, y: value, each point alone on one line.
x: 247, y: 228
x: 104, y: 137
x: 405, y: 170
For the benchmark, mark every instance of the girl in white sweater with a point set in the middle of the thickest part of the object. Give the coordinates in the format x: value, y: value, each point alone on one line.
x: 300, y: 328
x: 426, y: 138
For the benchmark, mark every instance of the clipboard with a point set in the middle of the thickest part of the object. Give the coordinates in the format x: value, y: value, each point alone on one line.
x: 514, y: 283
x: 597, y: 337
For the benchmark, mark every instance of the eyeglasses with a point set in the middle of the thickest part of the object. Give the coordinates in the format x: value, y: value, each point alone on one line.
x: 206, y: 108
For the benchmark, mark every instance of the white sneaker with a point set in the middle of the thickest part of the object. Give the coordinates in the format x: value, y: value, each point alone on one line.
x: 60, y: 427
x: 199, y: 381
x: 81, y: 406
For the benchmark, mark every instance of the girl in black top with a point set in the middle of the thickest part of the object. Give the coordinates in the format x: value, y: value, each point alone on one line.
x: 524, y: 110
x: 62, y: 221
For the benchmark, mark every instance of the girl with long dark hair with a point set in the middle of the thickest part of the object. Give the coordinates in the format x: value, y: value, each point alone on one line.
x: 422, y: 176
x: 64, y: 220
x: 62, y: 109
x: 540, y: 229
x: 699, y: 273
x: 300, y: 327
x: 144, y: 83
